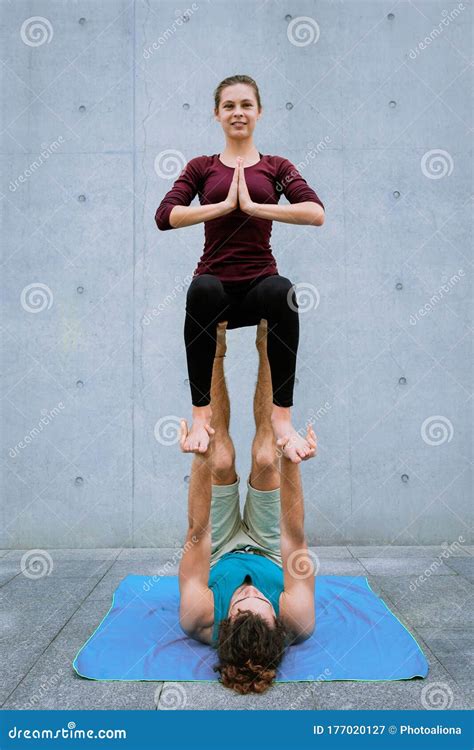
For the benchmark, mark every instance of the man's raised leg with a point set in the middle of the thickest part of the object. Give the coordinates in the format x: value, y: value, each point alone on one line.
x: 265, y: 472
x: 223, y: 459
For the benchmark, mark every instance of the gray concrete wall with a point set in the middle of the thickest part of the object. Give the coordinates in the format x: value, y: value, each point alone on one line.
x: 102, y: 105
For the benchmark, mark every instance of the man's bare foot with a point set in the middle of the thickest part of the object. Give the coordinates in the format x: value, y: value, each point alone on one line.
x: 196, y: 440
x: 292, y: 444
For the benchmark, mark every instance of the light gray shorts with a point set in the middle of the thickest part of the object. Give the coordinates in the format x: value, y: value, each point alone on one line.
x: 259, y: 529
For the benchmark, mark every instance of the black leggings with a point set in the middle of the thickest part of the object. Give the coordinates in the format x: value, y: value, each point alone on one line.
x: 208, y: 303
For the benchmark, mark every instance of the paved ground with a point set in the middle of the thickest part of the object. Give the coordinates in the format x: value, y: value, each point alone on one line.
x: 45, y: 622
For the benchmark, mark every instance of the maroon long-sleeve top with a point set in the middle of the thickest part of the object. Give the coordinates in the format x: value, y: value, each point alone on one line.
x: 237, y: 245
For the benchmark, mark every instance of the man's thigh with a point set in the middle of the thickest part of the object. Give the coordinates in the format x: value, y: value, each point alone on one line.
x: 225, y: 514
x: 261, y: 520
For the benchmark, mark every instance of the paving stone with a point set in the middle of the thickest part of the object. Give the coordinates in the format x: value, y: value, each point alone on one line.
x: 71, y: 554
x: 16, y: 662
x: 161, y: 567
x: 410, y: 566
x: 191, y: 696
x: 340, y: 567
x: 21, y: 590
x: 467, y: 689
x: 7, y: 572
x: 61, y: 568
x: 81, y: 625
x: 389, y: 550
x: 453, y: 647
x: 437, y: 690
x: 33, y: 621
x: 105, y: 588
x: 52, y: 683
x: 464, y: 566
x: 331, y: 552
x: 149, y: 554
x: 444, y: 600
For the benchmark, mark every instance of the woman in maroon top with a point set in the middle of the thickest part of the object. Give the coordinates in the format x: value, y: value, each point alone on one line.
x: 236, y: 278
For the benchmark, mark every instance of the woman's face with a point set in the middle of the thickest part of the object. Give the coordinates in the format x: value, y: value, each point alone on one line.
x: 238, y: 111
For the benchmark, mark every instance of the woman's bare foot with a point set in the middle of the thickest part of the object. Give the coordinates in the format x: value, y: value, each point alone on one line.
x: 292, y: 444
x: 196, y: 440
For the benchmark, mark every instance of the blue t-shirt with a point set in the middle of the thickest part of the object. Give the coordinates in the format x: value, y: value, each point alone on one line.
x: 229, y: 573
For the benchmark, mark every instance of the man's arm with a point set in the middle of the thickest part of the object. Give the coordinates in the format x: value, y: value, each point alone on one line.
x: 297, y: 599
x: 196, y: 612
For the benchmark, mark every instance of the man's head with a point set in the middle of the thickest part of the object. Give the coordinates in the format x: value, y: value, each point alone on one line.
x: 251, y: 642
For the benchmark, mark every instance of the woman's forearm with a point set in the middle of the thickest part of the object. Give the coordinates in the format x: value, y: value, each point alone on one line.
x: 306, y: 212
x: 185, y: 216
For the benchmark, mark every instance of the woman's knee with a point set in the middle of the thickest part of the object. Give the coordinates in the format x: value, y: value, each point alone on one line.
x: 205, y: 292
x: 278, y: 295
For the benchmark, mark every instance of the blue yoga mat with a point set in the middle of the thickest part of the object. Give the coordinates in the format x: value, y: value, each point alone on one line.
x: 356, y: 638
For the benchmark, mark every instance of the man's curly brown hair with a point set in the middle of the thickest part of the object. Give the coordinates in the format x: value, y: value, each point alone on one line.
x: 250, y: 651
